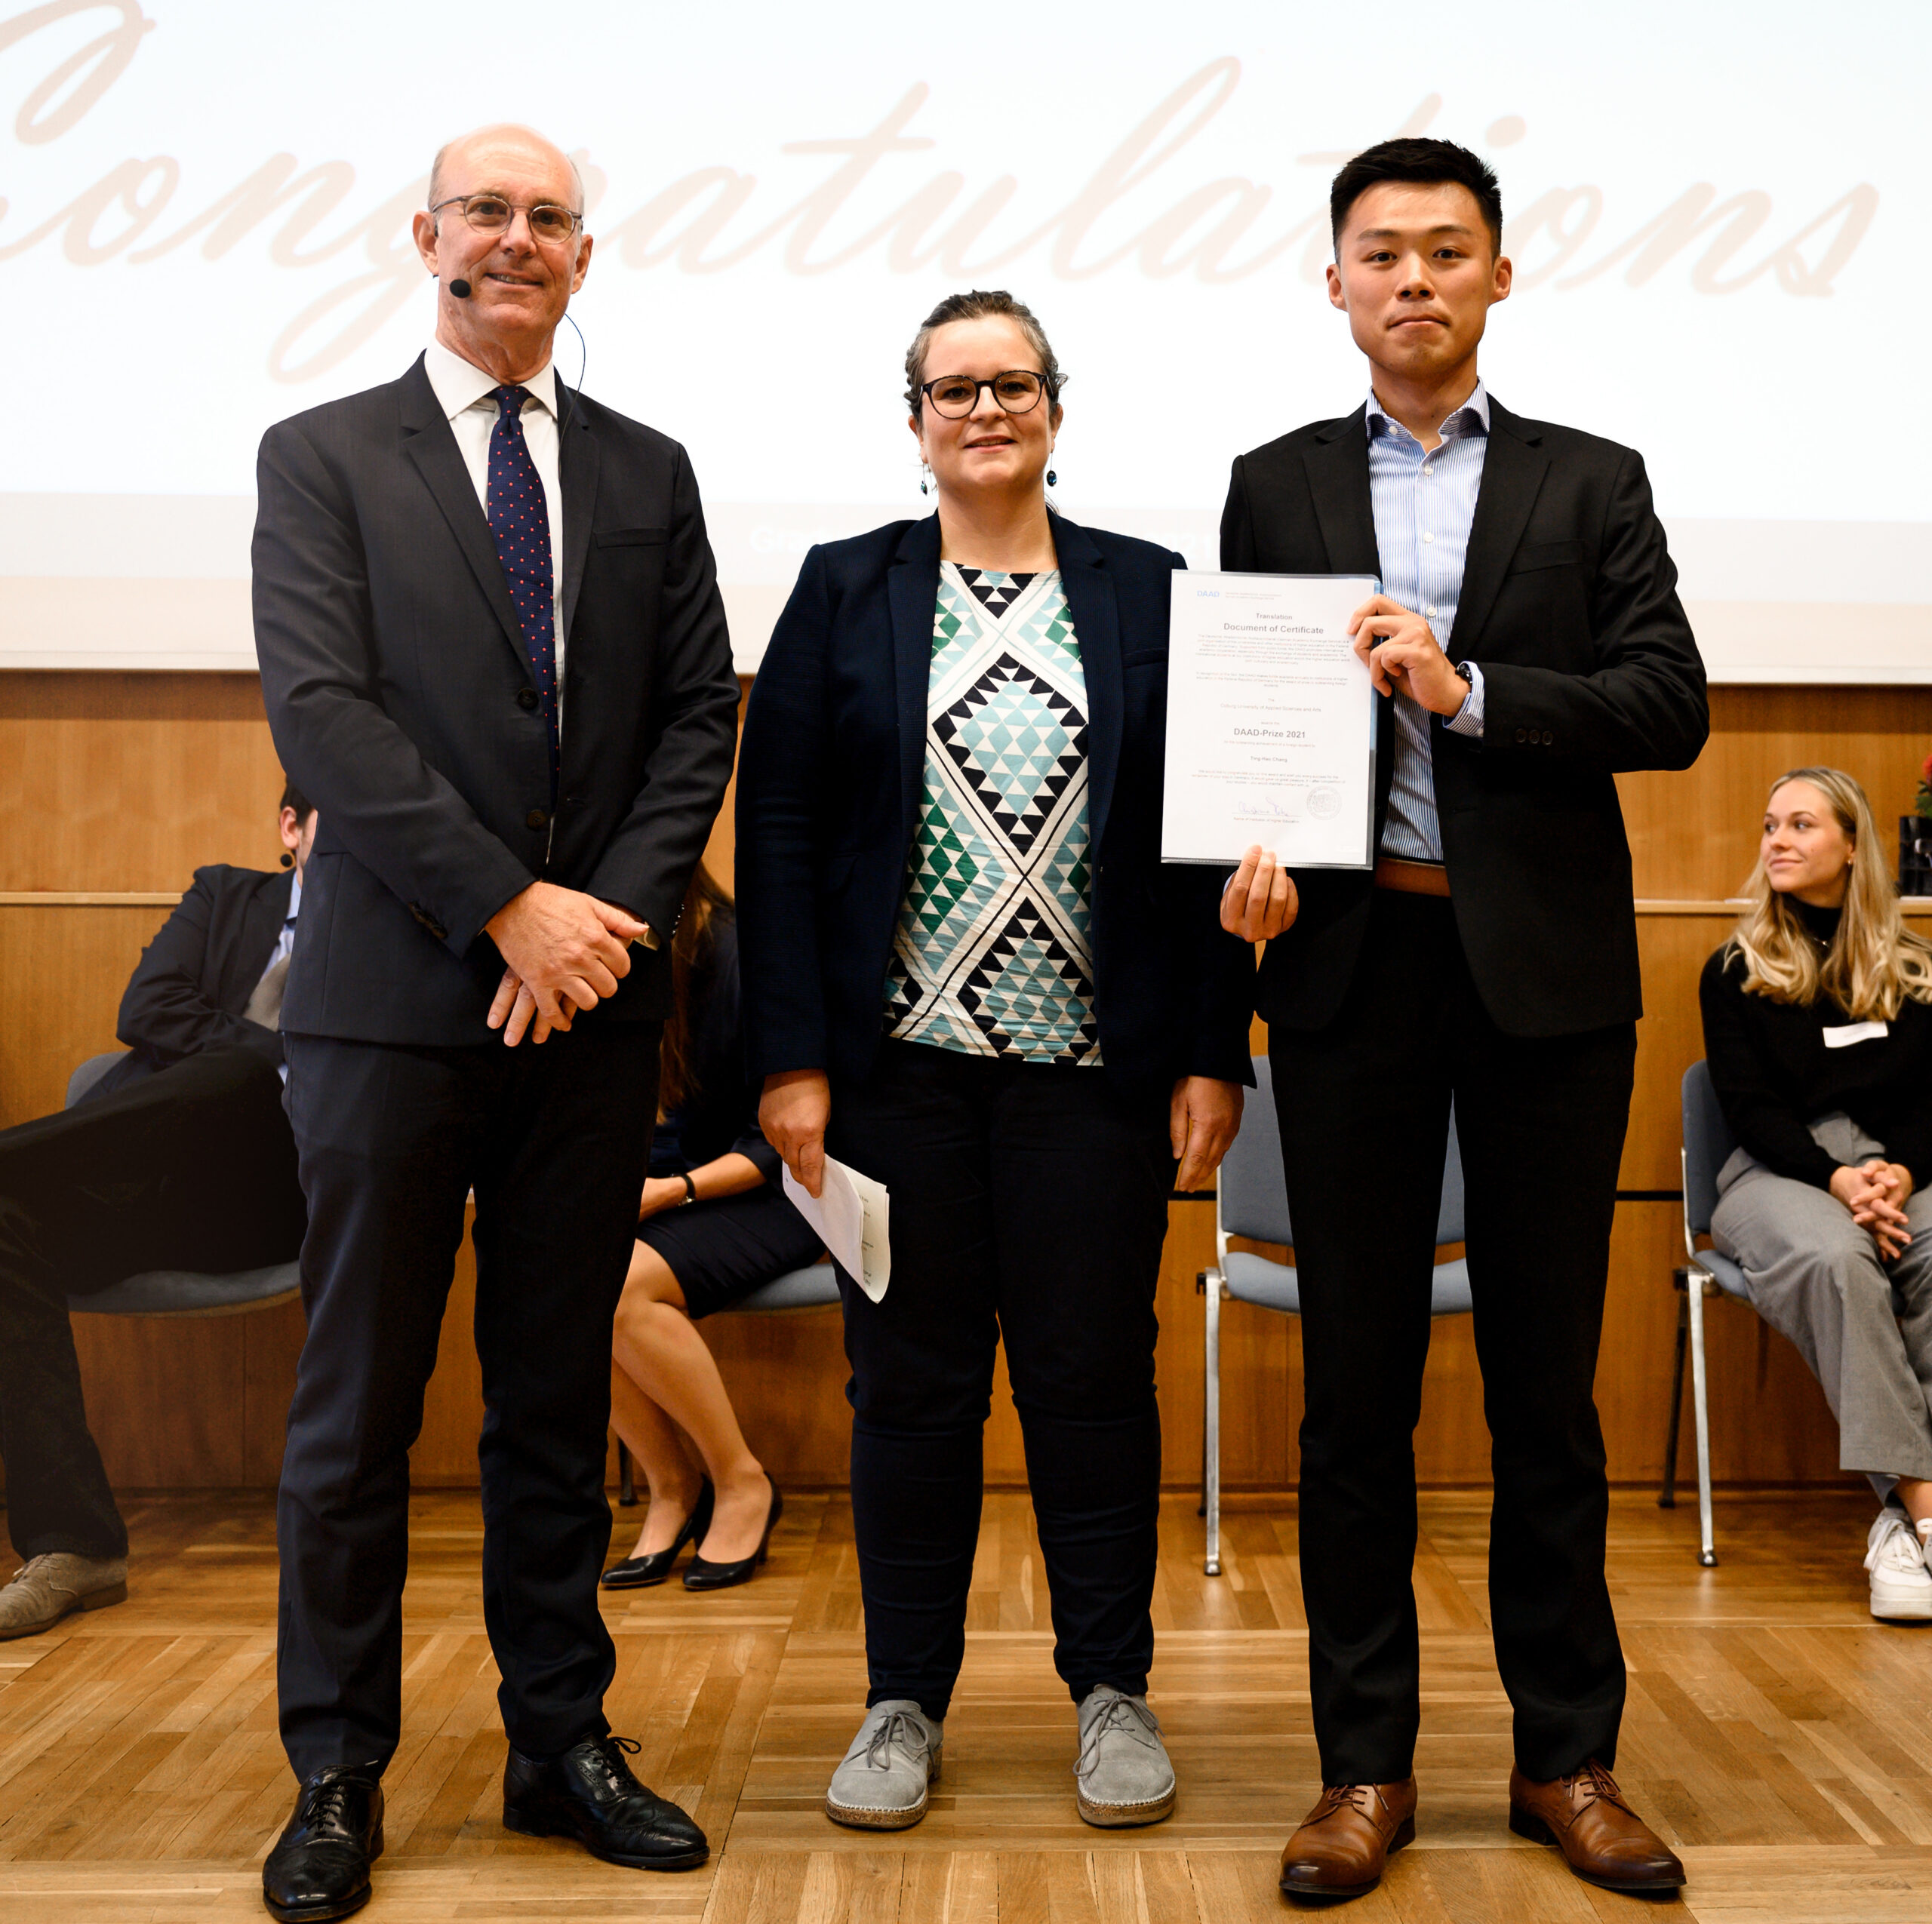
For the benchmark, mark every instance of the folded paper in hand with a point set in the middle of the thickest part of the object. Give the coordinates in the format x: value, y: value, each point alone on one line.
x: 853, y: 1221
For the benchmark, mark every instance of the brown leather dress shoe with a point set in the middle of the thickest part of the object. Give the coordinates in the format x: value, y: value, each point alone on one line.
x: 1603, y: 1839
x: 1345, y: 1841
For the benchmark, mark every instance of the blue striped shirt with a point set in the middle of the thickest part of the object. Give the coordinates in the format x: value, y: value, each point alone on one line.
x: 1424, y: 503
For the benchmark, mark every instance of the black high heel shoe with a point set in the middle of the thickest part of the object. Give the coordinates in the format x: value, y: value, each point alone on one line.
x: 641, y: 1573
x: 700, y: 1575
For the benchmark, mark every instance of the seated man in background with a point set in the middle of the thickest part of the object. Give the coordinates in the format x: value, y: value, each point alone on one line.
x: 179, y: 1158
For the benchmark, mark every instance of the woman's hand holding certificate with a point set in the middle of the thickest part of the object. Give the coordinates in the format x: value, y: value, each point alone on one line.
x: 1259, y: 900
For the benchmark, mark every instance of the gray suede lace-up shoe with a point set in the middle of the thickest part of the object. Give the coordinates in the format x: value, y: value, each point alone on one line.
x: 55, y: 1584
x: 882, y: 1784
x: 1123, y: 1776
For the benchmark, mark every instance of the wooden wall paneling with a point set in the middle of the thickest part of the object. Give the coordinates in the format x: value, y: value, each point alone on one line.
x: 786, y: 1374
x: 165, y: 1398
x: 114, y: 780
x: 1671, y: 950
x: 129, y: 781
x: 1769, y: 1419
x: 1695, y: 834
x: 62, y: 971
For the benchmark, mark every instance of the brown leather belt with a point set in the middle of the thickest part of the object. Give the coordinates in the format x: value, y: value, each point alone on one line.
x: 1410, y: 878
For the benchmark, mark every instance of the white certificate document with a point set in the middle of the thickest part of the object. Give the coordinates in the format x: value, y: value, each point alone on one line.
x: 853, y: 1219
x: 1271, y: 721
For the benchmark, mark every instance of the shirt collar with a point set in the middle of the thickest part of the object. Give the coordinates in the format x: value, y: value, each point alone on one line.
x: 460, y: 384
x: 294, y: 898
x: 1472, y: 418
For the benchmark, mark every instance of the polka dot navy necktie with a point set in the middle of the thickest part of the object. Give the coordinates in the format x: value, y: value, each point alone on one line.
x: 520, y: 519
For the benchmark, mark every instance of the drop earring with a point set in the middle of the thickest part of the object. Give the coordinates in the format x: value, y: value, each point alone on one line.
x: 925, y: 474
x: 1052, y: 478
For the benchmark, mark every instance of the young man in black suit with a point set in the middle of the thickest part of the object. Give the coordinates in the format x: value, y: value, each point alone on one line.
x: 1528, y: 645
x: 179, y: 1157
x: 493, y: 650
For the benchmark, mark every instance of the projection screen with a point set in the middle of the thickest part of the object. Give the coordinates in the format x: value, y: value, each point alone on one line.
x: 206, y: 216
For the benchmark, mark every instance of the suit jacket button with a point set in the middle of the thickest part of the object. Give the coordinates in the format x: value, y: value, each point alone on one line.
x: 537, y: 818
x: 1522, y: 734
x: 526, y: 698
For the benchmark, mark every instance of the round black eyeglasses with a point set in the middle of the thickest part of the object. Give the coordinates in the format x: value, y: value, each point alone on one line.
x: 955, y: 396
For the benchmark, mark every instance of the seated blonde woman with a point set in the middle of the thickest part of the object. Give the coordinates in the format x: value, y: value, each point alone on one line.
x: 1818, y: 1029
x: 713, y: 1225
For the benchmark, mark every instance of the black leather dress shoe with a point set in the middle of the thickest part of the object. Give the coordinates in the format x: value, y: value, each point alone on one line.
x: 700, y: 1575
x: 319, y: 1868
x: 589, y: 1794
x: 641, y: 1573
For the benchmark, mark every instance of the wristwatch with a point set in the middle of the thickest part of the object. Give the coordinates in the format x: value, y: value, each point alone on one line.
x: 1468, y: 674
x: 690, y: 1188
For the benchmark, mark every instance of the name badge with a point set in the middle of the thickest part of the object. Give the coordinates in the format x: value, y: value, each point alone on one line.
x: 1843, y: 1038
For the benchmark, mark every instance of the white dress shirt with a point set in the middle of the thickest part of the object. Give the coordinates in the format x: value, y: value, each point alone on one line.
x: 284, y: 943
x: 466, y: 394
x: 1425, y: 504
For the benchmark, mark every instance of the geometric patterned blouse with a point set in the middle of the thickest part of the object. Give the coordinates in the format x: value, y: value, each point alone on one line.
x: 993, y: 954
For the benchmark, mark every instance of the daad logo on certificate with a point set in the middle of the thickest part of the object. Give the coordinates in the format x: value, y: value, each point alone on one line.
x: 1271, y: 721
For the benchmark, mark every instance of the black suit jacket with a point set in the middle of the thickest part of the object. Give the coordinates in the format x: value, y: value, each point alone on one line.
x: 1569, y: 605
x: 828, y: 807
x: 403, y: 705
x: 193, y: 981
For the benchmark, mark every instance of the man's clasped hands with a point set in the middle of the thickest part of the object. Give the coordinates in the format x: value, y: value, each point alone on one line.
x: 563, y: 952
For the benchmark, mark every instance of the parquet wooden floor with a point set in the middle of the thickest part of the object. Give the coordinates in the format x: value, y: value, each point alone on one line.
x: 1778, y: 1737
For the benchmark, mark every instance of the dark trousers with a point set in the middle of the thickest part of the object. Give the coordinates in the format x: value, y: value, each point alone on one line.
x: 1364, y: 1111
x: 193, y: 1168
x: 555, y: 1139
x: 1029, y: 1201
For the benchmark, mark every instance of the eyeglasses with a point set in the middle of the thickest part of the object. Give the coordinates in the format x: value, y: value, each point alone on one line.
x: 490, y: 213
x: 955, y: 396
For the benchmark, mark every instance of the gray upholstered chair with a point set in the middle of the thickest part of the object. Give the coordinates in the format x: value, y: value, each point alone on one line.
x: 1251, y: 1200
x: 177, y: 1291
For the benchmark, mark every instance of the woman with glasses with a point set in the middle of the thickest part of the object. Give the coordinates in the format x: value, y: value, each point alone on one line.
x: 967, y: 974
x: 1818, y: 1031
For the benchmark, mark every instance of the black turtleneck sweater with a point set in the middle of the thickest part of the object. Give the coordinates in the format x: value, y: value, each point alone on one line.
x: 1774, y: 1075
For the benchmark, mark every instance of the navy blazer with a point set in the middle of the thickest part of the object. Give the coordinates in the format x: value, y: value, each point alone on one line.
x: 1569, y: 607
x: 193, y: 981
x: 403, y: 705
x: 835, y: 741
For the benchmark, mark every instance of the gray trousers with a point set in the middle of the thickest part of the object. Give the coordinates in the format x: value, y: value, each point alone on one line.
x: 1863, y: 1326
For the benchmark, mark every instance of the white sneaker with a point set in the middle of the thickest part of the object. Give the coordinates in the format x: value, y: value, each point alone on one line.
x: 1901, y: 1584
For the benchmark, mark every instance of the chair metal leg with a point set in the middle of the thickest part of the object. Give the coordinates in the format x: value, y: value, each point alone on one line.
x: 1667, y: 1496
x: 627, y: 1480
x: 1210, y: 1446
x: 1201, y: 1508
x: 1707, y: 1554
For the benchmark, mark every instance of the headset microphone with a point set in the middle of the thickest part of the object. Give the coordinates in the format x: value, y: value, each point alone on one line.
x: 460, y: 288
